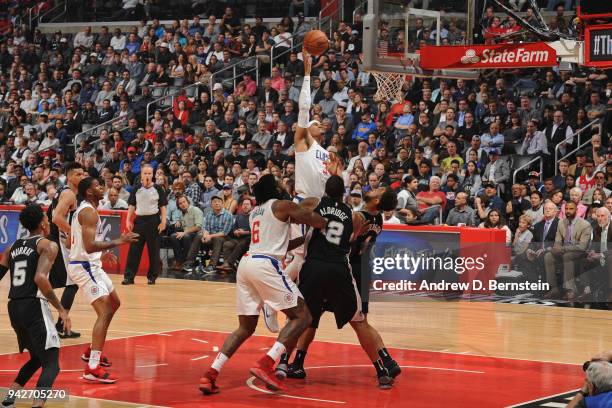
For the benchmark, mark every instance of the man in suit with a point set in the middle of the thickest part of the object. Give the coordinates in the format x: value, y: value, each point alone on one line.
x: 267, y: 93
x: 544, y: 233
x: 571, y: 243
x: 599, y: 260
x: 497, y: 171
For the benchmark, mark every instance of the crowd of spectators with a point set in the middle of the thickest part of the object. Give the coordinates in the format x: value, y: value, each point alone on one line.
x: 449, y: 149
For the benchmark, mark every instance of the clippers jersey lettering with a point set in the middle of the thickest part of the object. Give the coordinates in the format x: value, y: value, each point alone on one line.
x: 269, y: 235
x: 374, y: 229
x: 77, y: 248
x: 332, y: 244
x: 23, y: 261
x: 311, y: 171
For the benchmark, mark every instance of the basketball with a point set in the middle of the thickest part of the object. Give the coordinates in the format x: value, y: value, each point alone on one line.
x: 316, y: 42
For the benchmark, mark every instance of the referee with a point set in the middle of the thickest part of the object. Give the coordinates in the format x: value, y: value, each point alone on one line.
x: 149, y: 203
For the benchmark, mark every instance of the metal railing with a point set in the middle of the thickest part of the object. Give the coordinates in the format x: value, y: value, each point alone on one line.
x: 108, y: 125
x: 170, y: 95
x: 59, y: 6
x: 360, y: 8
x: 287, y: 51
x: 324, y: 20
x: 528, y: 164
x: 580, y: 145
x: 235, y: 74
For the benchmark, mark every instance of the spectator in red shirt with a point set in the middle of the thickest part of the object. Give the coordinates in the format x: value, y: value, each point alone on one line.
x: 431, y: 201
x: 587, y: 180
x: 494, y: 31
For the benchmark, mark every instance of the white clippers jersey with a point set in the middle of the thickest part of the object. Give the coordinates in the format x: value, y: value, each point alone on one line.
x: 77, y: 249
x: 311, y: 171
x: 269, y: 235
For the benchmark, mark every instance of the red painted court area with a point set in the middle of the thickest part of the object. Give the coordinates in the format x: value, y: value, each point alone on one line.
x: 163, y: 370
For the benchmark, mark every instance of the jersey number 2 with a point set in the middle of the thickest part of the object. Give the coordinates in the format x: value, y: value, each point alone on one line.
x: 19, y: 274
x: 255, y: 232
x: 333, y: 232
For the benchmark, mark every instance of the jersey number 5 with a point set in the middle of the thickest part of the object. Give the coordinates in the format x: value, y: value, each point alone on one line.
x: 255, y: 233
x: 19, y: 274
x: 333, y: 232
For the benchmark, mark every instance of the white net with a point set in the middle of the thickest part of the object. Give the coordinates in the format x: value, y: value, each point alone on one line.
x: 389, y: 86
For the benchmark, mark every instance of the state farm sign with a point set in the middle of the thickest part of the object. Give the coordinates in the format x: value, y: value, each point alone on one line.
x: 524, y: 55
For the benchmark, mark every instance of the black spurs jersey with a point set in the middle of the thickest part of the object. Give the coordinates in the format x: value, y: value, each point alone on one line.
x: 54, y: 232
x: 23, y: 261
x: 333, y: 243
x: 373, y: 230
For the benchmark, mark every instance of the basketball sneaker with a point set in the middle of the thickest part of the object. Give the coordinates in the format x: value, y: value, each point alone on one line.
x: 208, y: 384
x: 271, y: 318
x: 393, y: 368
x: 385, y: 381
x: 281, y: 371
x: 98, y: 374
x: 103, y: 360
x: 59, y: 326
x: 296, y: 371
x: 264, y: 370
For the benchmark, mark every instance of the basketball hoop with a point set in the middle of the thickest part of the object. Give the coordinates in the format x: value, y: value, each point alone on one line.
x: 389, y: 84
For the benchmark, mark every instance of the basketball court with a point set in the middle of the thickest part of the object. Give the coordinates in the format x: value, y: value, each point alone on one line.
x: 458, y: 354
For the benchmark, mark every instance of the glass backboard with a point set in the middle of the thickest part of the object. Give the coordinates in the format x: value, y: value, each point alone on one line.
x: 394, y: 32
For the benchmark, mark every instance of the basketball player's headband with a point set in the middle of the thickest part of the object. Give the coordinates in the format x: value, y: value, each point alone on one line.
x: 314, y: 122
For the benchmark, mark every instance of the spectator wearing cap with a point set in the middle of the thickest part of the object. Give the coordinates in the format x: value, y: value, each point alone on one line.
x: 217, y: 225
x: 237, y: 242
x: 497, y: 170
x: 534, y: 141
x: 186, y: 230
x: 364, y: 128
x: 355, y: 200
x: 488, y: 201
x: 577, y: 168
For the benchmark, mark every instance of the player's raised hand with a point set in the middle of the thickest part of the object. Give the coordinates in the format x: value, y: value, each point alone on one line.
x: 307, y: 62
x: 129, y: 237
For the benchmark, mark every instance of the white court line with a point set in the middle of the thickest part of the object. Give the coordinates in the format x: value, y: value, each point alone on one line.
x: 540, y: 399
x: 199, y: 358
x: 220, y: 289
x: 409, y: 349
x: 201, y: 341
x: 61, y: 371
x: 463, y: 352
x: 152, y: 365
x: 256, y: 388
x: 554, y: 405
x: 403, y: 366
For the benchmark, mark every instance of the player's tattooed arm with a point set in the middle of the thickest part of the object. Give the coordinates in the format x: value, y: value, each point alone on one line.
x: 89, y: 222
x: 360, y: 225
x: 47, y: 252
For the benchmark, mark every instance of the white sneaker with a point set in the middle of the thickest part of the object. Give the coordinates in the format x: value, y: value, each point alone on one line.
x: 271, y: 318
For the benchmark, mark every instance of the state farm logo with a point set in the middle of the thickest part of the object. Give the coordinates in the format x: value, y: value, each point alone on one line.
x: 470, y: 57
x: 518, y: 56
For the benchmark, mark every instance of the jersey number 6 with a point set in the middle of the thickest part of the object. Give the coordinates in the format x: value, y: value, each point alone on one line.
x: 255, y: 233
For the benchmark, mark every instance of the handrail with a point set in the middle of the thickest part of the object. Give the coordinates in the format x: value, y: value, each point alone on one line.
x: 576, y: 133
x: 233, y: 68
x: 41, y: 17
x: 359, y: 8
x: 540, y: 158
x: 108, y: 123
x: 171, y: 95
x: 287, y: 51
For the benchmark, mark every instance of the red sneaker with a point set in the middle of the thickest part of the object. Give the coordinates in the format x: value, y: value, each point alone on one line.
x: 98, y: 374
x: 103, y: 360
x: 264, y: 370
x: 207, y: 382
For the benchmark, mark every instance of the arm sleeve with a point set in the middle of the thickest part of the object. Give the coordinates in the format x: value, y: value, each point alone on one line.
x: 132, y: 199
x: 304, y: 103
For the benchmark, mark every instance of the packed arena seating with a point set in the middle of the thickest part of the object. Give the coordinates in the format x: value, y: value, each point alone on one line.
x: 211, y: 103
